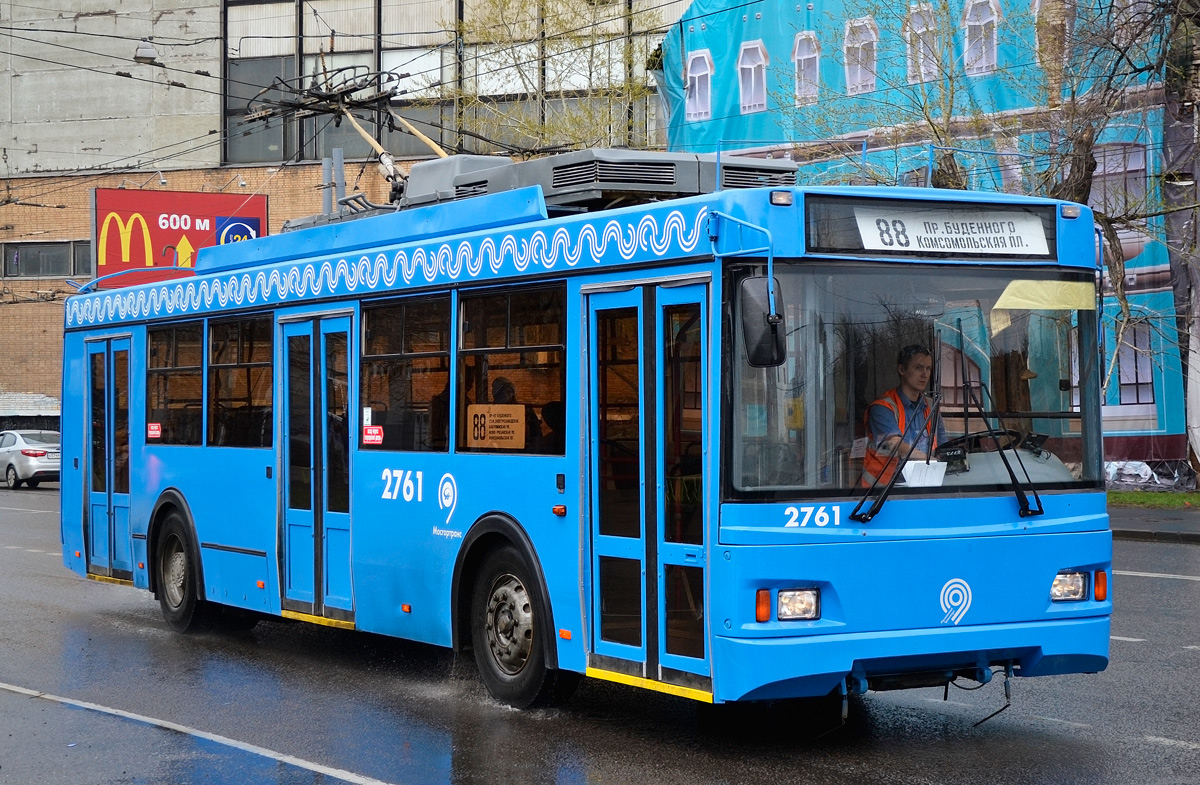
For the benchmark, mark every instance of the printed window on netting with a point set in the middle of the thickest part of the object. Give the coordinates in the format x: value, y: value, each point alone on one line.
x: 921, y: 35
x: 699, y: 86
x: 860, y: 48
x: 1135, y: 365
x: 752, y: 76
x: 806, y: 55
x: 980, y: 22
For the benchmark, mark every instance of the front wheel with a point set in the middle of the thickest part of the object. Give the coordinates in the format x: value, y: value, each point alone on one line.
x: 177, y: 595
x: 507, y: 625
x: 12, y: 479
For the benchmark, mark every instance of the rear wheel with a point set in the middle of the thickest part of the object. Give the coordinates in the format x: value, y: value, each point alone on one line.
x: 177, y: 595
x: 12, y: 479
x: 32, y: 483
x: 507, y: 628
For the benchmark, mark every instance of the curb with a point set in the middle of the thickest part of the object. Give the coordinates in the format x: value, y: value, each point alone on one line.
x: 1192, y: 538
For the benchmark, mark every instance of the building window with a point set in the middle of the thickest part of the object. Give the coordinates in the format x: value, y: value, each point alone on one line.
x: 1119, y: 183
x: 510, y: 371
x: 699, y: 85
x: 48, y: 260
x: 406, y: 375
x: 249, y: 80
x: 1133, y: 20
x: 806, y: 55
x: 1135, y: 368
x: 861, y: 39
x: 240, y: 383
x: 980, y: 22
x: 175, y: 384
x: 1054, y: 26
x: 920, y: 33
x: 752, y: 77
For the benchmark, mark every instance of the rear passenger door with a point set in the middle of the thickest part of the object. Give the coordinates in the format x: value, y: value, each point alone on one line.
x: 109, y: 550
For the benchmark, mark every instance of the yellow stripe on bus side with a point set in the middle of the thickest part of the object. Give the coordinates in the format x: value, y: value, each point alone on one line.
x: 657, y: 686
x: 342, y: 625
x: 106, y: 579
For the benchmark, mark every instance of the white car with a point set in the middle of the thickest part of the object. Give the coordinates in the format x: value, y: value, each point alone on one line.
x: 29, y: 457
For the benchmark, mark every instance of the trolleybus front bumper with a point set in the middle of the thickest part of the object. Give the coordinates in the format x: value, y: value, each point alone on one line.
x: 812, y: 666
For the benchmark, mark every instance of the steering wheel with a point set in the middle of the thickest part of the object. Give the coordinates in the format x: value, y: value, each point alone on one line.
x: 981, y: 441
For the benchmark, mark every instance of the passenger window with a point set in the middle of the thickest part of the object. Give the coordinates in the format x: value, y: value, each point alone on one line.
x: 240, y: 385
x: 406, y: 376
x: 175, y: 384
x: 510, y: 372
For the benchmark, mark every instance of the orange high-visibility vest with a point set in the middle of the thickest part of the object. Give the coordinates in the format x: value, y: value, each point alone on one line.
x: 875, y: 462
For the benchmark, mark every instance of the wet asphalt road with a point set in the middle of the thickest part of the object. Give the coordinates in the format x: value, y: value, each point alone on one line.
x: 296, y: 703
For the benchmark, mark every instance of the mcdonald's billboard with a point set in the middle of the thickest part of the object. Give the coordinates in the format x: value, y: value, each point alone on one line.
x: 144, y: 230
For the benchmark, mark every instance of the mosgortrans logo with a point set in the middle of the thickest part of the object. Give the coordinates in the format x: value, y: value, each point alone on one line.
x: 956, y: 600
x: 233, y: 229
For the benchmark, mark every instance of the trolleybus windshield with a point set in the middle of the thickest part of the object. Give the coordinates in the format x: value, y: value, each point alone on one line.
x: 1012, y: 350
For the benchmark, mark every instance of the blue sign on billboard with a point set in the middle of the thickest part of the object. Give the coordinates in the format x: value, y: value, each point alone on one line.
x: 236, y: 228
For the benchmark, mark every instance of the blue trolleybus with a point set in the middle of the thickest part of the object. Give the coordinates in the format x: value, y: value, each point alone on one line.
x: 607, y: 414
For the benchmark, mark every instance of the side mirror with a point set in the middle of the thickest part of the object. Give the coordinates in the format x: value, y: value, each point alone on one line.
x: 763, y: 334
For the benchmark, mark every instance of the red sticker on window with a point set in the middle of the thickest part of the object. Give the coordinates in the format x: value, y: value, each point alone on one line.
x: 153, y: 430
x: 372, y: 434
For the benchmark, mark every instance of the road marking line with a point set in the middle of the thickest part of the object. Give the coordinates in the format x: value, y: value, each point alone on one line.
x: 12, y: 547
x: 1187, y: 745
x: 291, y: 760
x: 1192, y: 647
x: 1157, y: 575
x: 952, y: 703
x: 1131, y: 640
x: 33, y: 550
x: 23, y: 509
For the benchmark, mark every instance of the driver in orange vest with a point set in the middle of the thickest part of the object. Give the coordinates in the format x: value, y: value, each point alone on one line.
x: 900, y: 419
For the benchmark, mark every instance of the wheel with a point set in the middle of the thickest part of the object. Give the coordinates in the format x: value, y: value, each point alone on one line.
x: 177, y: 596
x: 32, y: 483
x: 506, y: 633
x: 14, y: 481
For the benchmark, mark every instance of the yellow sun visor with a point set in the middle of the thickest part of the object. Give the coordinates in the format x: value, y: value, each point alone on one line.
x: 1023, y: 295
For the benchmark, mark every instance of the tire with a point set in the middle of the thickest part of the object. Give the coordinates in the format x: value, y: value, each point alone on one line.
x: 14, y: 482
x: 175, y: 563
x: 507, y: 628
x: 32, y: 483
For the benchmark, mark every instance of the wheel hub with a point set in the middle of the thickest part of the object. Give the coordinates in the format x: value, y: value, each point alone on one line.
x: 174, y: 573
x: 509, y: 624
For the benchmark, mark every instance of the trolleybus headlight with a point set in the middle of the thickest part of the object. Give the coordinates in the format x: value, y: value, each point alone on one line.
x: 1069, y: 586
x: 799, y: 604
x: 1071, y: 211
x: 781, y: 198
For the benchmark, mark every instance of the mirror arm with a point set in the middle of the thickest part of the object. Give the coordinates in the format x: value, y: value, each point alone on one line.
x: 773, y: 316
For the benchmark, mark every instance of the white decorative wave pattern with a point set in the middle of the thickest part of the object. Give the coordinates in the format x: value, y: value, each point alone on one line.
x: 614, y: 242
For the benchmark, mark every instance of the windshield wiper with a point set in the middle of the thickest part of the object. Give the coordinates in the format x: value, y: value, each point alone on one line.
x: 969, y: 397
x: 865, y: 517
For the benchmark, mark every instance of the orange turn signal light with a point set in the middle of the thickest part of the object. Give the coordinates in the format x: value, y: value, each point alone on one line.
x: 762, y: 605
x: 76, y: 554
x: 564, y: 634
x: 141, y: 565
x: 1101, y: 585
x: 262, y: 584
x: 406, y: 608
x: 560, y: 510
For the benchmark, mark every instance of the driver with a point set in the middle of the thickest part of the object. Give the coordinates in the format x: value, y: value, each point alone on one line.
x: 900, y: 419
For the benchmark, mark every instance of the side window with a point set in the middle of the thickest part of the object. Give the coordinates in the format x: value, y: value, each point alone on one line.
x: 980, y: 22
x: 1135, y: 365
x: 406, y: 375
x: 752, y: 77
x: 806, y: 55
x: 240, y: 369
x: 7, y: 440
x: 175, y: 384
x: 510, y: 371
x: 861, y: 39
x: 699, y: 85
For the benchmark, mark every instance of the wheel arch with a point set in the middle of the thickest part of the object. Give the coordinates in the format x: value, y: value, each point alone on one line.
x: 172, y: 500
x: 495, y: 530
